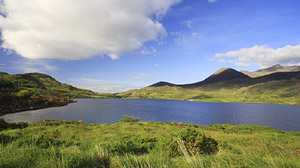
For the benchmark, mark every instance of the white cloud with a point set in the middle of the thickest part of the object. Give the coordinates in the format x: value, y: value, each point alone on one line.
x: 189, y: 24
x: 68, y: 29
x: 28, y: 66
x: 212, y: 1
x: 140, y: 76
x: 148, y: 51
x: 156, y: 65
x: 263, y: 56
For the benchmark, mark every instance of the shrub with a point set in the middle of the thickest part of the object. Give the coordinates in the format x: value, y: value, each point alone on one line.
x: 197, y: 142
x: 193, y: 141
x: 24, y: 94
x: 6, y: 125
x: 42, y: 141
x: 130, y: 144
x: 127, y: 118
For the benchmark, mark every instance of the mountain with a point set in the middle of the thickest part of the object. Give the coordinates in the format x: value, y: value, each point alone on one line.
x: 162, y: 83
x: 270, y: 70
x: 223, y: 74
x: 42, y: 84
x: 229, y: 85
x: 21, y: 92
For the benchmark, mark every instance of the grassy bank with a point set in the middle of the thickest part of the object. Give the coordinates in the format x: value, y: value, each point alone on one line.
x: 145, y: 144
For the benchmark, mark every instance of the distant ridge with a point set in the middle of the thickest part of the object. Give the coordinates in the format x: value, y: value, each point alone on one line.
x: 223, y: 74
x: 162, y: 83
x: 272, y: 69
x: 220, y: 75
x: 229, y: 85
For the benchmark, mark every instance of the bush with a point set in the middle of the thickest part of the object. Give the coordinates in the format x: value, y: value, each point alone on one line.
x: 4, y: 83
x: 42, y: 141
x: 130, y: 144
x: 195, y: 142
x: 127, y: 118
x: 24, y: 94
x: 5, y: 125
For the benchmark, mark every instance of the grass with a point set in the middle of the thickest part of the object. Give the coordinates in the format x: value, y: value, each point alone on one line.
x: 272, y: 92
x: 146, y: 144
x: 41, y: 84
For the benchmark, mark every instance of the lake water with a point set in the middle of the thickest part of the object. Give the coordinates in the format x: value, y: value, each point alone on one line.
x: 284, y: 117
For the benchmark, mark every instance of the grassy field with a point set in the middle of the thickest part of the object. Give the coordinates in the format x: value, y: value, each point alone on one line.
x: 145, y: 144
x: 272, y: 92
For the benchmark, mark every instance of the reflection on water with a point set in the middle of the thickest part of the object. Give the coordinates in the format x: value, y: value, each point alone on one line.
x: 284, y: 117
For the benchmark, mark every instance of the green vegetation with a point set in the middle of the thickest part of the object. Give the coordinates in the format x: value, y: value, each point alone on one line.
x: 271, y: 92
x: 21, y: 92
x: 52, y: 143
x: 41, y: 84
x: 127, y: 118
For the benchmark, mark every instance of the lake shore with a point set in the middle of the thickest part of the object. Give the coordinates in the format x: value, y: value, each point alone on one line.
x: 10, y: 103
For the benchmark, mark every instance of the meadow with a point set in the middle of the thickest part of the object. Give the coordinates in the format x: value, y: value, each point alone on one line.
x: 132, y: 143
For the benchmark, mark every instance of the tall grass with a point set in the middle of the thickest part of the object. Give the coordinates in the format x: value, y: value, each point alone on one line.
x: 149, y: 144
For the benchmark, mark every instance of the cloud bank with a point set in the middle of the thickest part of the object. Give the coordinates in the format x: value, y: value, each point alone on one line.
x: 68, y: 29
x: 263, y: 56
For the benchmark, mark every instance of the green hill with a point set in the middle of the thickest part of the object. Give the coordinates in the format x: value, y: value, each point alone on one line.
x: 229, y: 85
x: 42, y: 84
x: 29, y: 91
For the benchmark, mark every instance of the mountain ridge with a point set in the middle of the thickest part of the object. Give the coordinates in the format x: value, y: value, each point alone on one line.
x: 273, y: 88
x: 272, y: 69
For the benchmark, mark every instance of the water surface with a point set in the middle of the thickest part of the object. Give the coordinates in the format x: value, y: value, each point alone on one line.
x: 284, y: 117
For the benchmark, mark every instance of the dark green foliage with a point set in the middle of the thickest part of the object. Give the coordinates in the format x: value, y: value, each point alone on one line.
x: 130, y: 144
x: 195, y: 143
x: 54, y: 123
x: 4, y: 83
x: 6, y: 125
x: 42, y: 141
x: 24, y: 94
x: 202, y: 96
x: 127, y: 118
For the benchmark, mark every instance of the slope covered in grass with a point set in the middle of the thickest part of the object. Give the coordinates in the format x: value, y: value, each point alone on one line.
x: 229, y: 86
x: 20, y: 92
x: 146, y: 144
x: 38, y: 84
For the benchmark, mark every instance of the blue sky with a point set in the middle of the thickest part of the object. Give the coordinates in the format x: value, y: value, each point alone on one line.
x: 113, y: 47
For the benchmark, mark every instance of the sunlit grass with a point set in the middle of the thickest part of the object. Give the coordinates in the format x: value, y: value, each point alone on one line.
x: 76, y: 144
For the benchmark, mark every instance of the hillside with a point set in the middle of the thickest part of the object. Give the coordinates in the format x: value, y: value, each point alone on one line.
x: 42, y: 84
x: 275, y: 88
x: 221, y: 75
x: 21, y: 92
x: 270, y: 70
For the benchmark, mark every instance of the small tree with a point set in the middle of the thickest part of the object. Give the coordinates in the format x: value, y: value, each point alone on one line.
x: 127, y: 118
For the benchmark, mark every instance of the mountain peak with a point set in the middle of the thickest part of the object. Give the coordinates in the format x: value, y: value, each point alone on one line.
x: 162, y: 83
x: 272, y: 68
x: 224, y: 74
x: 221, y: 71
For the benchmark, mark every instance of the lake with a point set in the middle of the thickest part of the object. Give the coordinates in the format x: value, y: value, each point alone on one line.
x: 283, y: 117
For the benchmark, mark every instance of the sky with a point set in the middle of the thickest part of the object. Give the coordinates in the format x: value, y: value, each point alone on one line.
x: 116, y: 45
